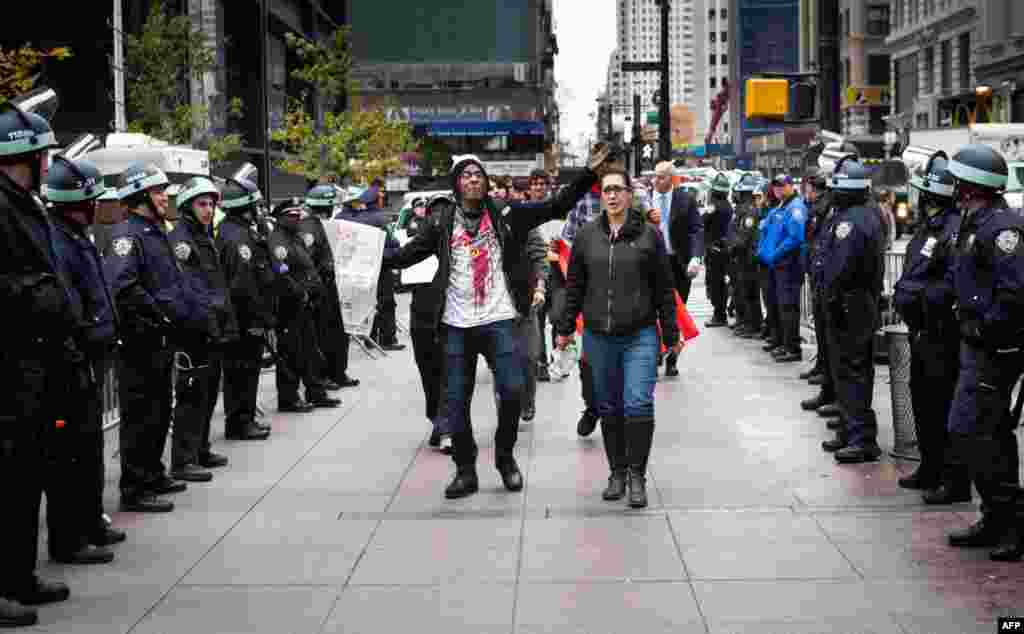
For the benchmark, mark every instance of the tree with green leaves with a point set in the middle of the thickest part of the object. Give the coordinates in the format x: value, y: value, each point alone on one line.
x: 160, y: 62
x: 360, y: 145
x: 19, y: 68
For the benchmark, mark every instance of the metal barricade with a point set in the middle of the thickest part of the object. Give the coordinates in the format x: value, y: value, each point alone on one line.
x: 111, y: 401
x: 904, y: 432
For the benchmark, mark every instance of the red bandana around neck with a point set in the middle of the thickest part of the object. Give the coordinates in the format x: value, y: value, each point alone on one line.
x: 480, y: 256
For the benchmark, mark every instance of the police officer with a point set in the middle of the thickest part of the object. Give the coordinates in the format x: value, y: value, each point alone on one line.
x: 924, y: 298
x: 299, y: 356
x: 157, y: 308
x: 736, y: 231
x: 767, y: 232
x: 716, y: 255
x: 745, y: 256
x: 852, y: 279
x: 35, y: 298
x: 200, y: 358
x: 817, y: 229
x: 821, y: 226
x: 987, y: 281
x: 249, y: 272
x: 334, y: 341
x: 783, y: 255
x: 76, y: 478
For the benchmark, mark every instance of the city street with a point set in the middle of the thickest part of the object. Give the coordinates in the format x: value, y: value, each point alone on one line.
x: 337, y: 524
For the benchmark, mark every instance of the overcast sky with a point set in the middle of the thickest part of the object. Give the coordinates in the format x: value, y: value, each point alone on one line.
x: 586, y: 36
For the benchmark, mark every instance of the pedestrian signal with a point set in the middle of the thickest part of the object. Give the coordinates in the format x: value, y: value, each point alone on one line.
x: 767, y: 98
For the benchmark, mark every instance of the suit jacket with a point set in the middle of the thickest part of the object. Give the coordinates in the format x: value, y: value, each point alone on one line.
x: 685, y: 227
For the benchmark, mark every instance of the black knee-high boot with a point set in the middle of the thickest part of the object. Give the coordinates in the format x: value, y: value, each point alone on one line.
x: 639, y: 436
x: 613, y: 434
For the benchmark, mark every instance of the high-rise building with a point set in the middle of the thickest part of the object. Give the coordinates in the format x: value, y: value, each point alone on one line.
x: 698, y: 57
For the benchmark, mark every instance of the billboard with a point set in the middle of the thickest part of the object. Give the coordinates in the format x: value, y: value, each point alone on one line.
x: 768, y: 40
x: 443, y: 31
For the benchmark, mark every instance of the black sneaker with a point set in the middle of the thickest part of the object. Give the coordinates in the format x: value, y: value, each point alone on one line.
x: 587, y: 424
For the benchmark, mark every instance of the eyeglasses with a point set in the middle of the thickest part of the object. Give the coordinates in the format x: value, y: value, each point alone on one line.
x: 469, y: 174
x: 203, y: 203
x: 615, y: 189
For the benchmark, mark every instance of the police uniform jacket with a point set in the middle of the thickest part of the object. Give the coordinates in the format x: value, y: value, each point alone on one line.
x: 34, y: 293
x: 249, y: 271
x: 302, y: 284
x: 852, y: 259
x: 923, y: 295
x: 150, y: 291
x: 88, y: 289
x: 716, y: 227
x: 746, y: 237
x: 988, y: 278
x: 200, y: 262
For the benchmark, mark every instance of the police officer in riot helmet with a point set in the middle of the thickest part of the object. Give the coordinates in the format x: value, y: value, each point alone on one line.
x: 743, y: 248
x: 852, y: 281
x: 200, y: 359
x: 249, y: 271
x: 35, y: 297
x: 716, y: 256
x: 78, y: 532
x: 299, y: 356
x: 157, y: 309
x: 334, y: 341
x: 924, y: 298
x: 819, y: 200
x: 989, y: 295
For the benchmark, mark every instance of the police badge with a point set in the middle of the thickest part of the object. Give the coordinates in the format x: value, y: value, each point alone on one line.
x: 1007, y: 240
x: 281, y: 253
x: 843, y: 229
x: 308, y: 239
x: 182, y: 251
x: 122, y: 246
x: 244, y: 252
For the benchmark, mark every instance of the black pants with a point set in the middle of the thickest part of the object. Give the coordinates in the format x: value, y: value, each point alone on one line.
x: 750, y: 293
x: 717, y: 265
x: 934, y: 368
x: 828, y: 388
x: 196, y: 393
x: 299, y: 359
x: 851, y: 334
x: 243, y: 361
x: 736, y: 292
x: 144, y: 383
x: 429, y: 354
x: 74, y: 478
x: 333, y: 339
x: 771, y: 304
x: 683, y: 281
x: 385, y: 326
x: 587, y: 387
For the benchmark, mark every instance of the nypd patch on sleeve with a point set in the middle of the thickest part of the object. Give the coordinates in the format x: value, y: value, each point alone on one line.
x: 843, y: 229
x: 122, y: 246
x: 308, y: 239
x: 244, y: 252
x: 1007, y: 240
x: 281, y: 253
x: 182, y: 250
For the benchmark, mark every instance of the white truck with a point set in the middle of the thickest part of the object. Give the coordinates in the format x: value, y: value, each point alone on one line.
x: 1006, y: 138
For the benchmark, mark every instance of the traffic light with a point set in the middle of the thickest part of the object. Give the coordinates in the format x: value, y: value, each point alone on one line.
x: 784, y: 98
x: 767, y: 98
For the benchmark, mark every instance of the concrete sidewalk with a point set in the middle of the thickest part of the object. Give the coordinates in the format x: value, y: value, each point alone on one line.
x: 338, y: 524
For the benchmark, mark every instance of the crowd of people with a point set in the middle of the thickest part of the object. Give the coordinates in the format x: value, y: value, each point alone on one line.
x: 184, y: 313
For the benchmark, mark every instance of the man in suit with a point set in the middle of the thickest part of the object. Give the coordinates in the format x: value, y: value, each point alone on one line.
x: 683, y: 230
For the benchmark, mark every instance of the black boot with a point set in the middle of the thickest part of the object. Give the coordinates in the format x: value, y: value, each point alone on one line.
x: 950, y: 491
x: 923, y: 478
x: 14, y: 614
x: 511, y: 476
x: 41, y: 592
x: 986, y: 532
x: 587, y: 423
x: 841, y: 440
x: 814, y: 403
x: 639, y: 436
x: 465, y: 483
x: 815, y: 369
x: 613, y: 432
x: 1014, y: 550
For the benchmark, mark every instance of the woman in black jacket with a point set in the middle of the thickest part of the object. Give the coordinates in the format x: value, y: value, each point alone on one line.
x: 620, y: 278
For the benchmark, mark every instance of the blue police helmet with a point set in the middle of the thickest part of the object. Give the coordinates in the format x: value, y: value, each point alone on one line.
x: 850, y: 176
x: 73, y: 181
x: 980, y: 165
x: 23, y: 132
x: 239, y: 195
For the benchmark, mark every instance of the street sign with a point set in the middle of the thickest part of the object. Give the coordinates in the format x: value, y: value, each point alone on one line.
x: 641, y: 67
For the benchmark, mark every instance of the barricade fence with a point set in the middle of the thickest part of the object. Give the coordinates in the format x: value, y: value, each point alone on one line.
x: 889, y: 317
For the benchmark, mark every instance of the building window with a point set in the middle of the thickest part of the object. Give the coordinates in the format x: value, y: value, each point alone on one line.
x: 906, y: 82
x: 713, y: 82
x: 711, y: 14
x: 844, y: 22
x: 711, y: 36
x: 965, y: 61
x: 929, y: 70
x: 725, y: 37
x: 712, y: 59
x: 845, y: 81
x: 878, y: 20
x: 724, y: 13
x: 947, y: 66
x: 878, y: 70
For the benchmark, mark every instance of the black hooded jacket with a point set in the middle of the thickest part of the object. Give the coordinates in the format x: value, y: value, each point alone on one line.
x: 512, y: 223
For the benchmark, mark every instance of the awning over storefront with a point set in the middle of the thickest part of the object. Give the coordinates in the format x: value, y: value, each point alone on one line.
x: 482, y: 128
